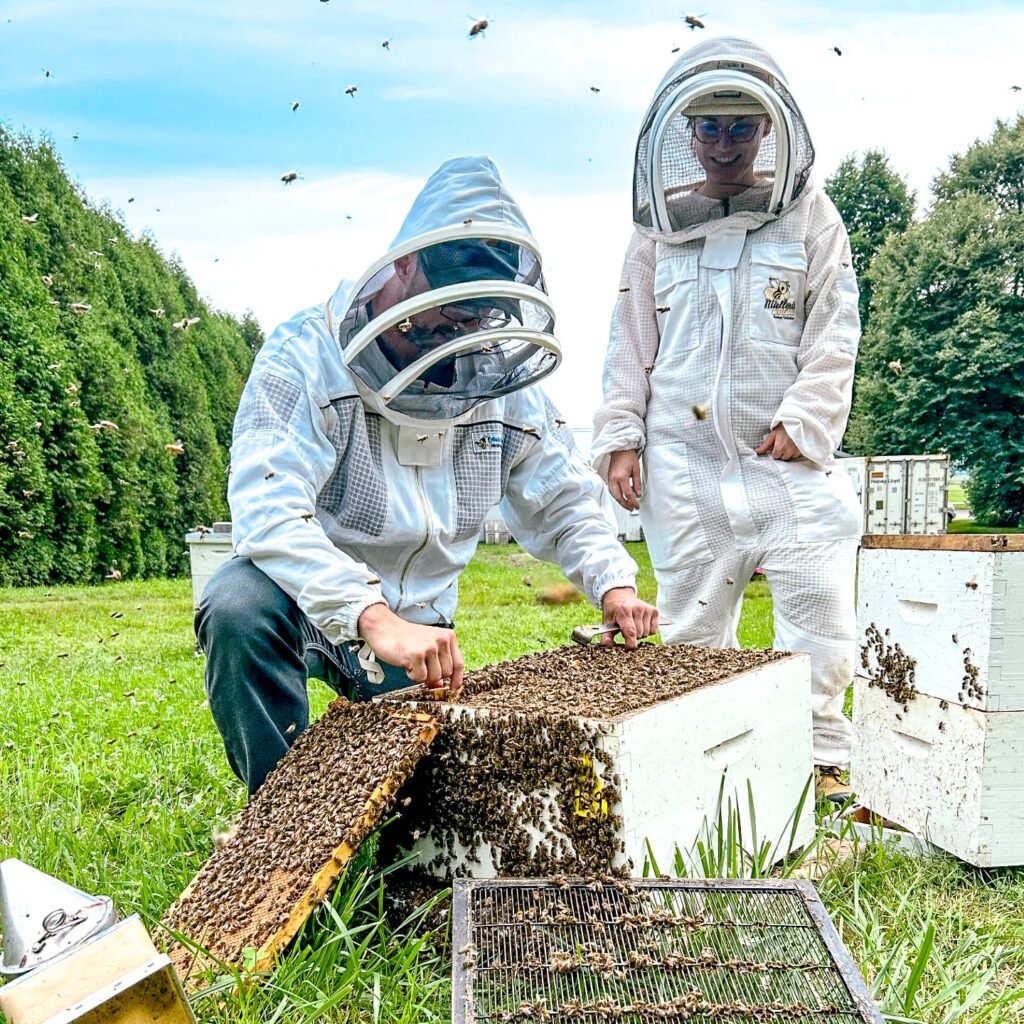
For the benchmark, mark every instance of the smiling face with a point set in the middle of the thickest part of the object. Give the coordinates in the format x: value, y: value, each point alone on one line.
x: 727, y: 148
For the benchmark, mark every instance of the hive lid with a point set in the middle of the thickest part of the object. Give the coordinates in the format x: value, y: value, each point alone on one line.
x: 44, y: 917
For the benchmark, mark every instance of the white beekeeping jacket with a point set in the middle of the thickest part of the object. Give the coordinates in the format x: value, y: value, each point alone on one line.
x: 345, y: 501
x: 733, y: 316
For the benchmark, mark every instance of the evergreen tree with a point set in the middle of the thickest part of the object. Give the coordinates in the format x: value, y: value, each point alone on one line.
x: 942, y: 361
x: 874, y: 201
x: 96, y: 382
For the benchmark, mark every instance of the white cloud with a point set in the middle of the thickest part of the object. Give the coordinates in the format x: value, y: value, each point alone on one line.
x: 281, y: 248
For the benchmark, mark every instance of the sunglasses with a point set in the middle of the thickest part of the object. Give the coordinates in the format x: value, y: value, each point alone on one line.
x: 739, y: 131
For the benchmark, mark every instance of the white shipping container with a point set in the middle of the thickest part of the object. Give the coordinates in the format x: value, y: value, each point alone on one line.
x: 939, y: 740
x: 906, y: 494
x: 672, y: 757
x: 207, y: 551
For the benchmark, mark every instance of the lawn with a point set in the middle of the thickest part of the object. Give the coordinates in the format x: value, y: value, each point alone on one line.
x: 113, y: 778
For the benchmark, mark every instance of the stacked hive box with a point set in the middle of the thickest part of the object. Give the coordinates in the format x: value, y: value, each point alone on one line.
x: 939, y: 696
x: 585, y: 759
x: 208, y: 550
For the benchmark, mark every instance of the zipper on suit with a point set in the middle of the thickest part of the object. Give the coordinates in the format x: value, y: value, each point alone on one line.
x: 423, y: 544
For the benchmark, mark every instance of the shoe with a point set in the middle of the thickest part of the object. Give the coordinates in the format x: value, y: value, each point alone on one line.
x: 829, y: 786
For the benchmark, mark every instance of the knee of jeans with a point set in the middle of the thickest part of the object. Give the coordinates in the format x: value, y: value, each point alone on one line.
x: 237, y: 594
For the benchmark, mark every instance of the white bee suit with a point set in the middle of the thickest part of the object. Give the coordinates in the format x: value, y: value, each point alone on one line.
x: 354, y: 482
x: 735, y: 316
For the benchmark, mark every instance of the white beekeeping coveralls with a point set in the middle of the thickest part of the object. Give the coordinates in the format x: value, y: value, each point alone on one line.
x: 735, y: 316
x: 355, y: 482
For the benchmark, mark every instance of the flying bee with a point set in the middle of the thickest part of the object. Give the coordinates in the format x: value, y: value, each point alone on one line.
x: 700, y: 412
x: 405, y: 326
x: 693, y: 21
x: 662, y: 309
x: 351, y: 91
x: 289, y: 176
x: 478, y: 28
x: 624, y: 289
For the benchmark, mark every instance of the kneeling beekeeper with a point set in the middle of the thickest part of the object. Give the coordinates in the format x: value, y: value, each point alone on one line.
x: 375, y: 433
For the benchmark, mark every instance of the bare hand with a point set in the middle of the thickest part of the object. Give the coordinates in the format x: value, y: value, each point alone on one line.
x: 429, y: 654
x: 624, y: 479
x: 779, y: 444
x: 635, y: 618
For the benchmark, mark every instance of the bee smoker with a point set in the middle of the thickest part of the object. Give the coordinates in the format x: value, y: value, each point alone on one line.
x: 69, y: 959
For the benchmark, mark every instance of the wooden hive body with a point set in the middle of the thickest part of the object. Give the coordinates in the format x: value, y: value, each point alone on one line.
x: 942, y: 756
x: 655, y: 779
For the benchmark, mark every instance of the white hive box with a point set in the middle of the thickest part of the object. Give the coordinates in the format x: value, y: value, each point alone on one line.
x: 949, y: 762
x: 682, y: 764
x: 207, y: 552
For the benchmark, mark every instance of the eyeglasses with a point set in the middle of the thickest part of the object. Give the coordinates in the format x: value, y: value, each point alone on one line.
x: 490, y: 319
x: 707, y: 131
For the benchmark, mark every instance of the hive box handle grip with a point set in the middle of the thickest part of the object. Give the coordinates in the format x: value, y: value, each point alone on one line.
x: 729, y: 751
x: 917, y: 613
x: 913, y: 746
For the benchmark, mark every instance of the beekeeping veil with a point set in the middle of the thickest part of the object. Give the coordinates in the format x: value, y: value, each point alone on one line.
x: 472, y: 320
x: 720, y: 77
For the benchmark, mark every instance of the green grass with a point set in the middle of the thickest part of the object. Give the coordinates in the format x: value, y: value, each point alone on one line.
x: 113, y: 778
x: 969, y: 526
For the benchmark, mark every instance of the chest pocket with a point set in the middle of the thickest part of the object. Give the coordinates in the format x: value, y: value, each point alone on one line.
x: 778, y: 289
x: 675, y: 301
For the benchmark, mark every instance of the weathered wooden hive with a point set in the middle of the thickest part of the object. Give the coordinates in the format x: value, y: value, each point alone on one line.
x: 586, y: 759
x: 939, y: 694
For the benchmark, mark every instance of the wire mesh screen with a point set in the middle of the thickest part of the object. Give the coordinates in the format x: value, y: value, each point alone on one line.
x: 630, y: 951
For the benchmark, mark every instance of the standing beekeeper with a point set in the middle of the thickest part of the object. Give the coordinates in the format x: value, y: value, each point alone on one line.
x: 729, y: 373
x: 375, y: 433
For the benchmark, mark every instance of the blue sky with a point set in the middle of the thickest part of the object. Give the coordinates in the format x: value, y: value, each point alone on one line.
x: 185, y: 106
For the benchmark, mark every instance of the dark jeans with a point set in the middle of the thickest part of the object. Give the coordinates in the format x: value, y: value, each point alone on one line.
x: 260, y: 652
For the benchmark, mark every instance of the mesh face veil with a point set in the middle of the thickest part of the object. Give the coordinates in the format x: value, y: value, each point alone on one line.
x: 724, y: 80
x: 472, y: 322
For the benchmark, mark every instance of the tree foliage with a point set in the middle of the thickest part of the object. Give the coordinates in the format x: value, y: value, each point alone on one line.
x: 874, y: 201
x: 942, y: 360
x: 94, y: 385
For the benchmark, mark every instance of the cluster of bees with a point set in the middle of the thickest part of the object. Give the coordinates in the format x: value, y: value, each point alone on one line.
x: 971, y: 686
x: 600, y: 682
x: 688, y: 1006
x: 502, y: 781
x: 324, y: 793
x: 894, y: 671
